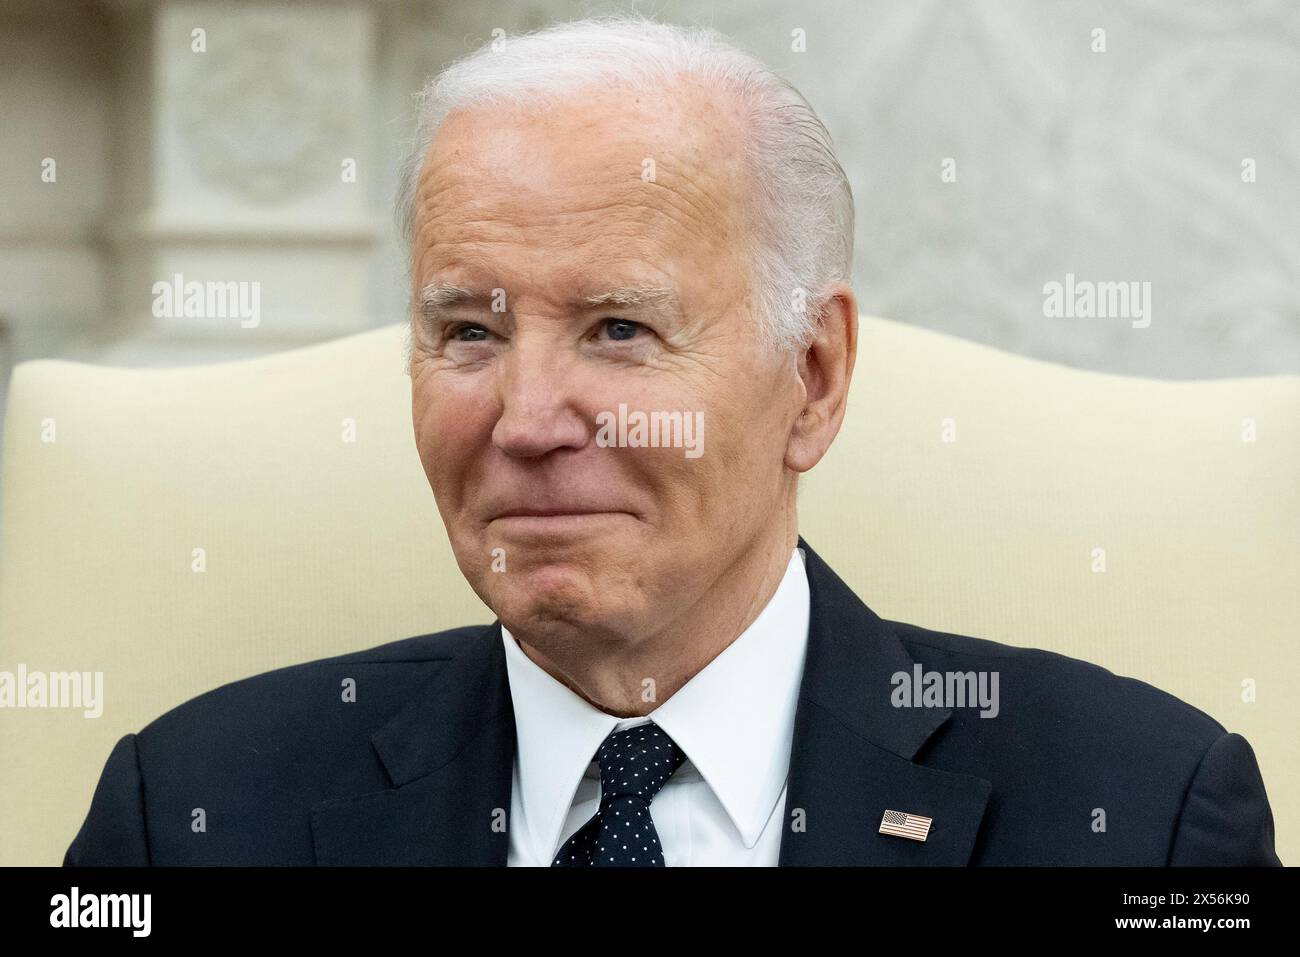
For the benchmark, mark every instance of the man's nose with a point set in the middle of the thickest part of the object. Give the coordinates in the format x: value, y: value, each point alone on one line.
x: 537, y: 411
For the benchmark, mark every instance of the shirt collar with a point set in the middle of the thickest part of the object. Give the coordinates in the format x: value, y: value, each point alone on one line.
x: 734, y: 720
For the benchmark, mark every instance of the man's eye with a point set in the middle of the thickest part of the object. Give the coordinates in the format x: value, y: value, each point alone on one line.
x: 621, y: 329
x: 468, y: 332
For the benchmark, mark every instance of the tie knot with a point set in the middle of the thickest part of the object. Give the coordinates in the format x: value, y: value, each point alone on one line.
x: 636, y: 761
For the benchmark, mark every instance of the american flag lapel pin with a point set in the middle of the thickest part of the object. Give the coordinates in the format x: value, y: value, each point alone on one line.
x: 911, y: 826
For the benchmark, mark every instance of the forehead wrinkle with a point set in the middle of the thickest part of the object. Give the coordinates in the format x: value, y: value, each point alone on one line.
x: 687, y: 182
x: 452, y: 224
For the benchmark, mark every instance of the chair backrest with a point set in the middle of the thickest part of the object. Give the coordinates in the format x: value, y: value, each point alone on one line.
x: 1151, y: 527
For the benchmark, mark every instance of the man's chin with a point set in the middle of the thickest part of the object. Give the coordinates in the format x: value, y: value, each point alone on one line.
x: 557, y: 599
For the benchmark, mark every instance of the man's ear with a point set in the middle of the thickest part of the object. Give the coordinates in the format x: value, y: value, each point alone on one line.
x: 826, y: 369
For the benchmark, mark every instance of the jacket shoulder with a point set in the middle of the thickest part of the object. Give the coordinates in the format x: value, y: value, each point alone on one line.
x: 1072, y: 739
x: 310, y: 721
x: 292, y: 687
x: 1054, y: 683
x: 254, y: 755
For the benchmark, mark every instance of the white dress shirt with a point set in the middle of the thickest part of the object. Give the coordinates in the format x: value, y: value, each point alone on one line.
x: 734, y: 719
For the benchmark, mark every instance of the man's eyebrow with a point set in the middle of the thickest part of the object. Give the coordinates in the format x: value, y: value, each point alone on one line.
x: 634, y: 296
x: 437, y: 295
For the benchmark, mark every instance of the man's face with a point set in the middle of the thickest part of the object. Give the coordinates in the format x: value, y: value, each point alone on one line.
x: 560, y: 534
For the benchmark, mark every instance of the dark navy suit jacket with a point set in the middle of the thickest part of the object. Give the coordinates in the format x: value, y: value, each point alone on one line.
x: 418, y: 769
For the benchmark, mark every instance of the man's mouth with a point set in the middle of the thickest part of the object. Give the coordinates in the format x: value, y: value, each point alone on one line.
x: 553, y: 512
x: 555, y: 520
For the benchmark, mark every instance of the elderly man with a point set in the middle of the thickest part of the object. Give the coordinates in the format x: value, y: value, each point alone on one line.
x: 625, y: 238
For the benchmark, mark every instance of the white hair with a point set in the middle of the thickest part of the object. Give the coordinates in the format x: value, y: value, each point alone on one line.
x: 801, y: 201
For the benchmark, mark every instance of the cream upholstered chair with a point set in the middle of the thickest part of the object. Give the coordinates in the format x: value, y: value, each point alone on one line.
x: 970, y: 491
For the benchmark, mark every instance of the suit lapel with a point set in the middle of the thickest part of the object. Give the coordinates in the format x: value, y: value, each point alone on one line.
x: 450, y: 754
x: 852, y: 757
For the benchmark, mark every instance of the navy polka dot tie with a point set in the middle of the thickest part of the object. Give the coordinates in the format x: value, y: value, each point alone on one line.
x: 634, y: 764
